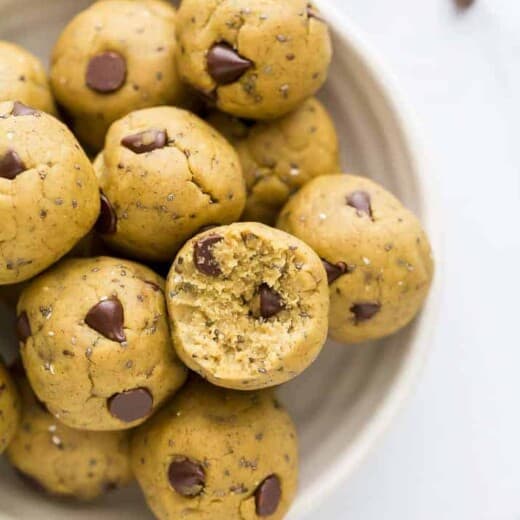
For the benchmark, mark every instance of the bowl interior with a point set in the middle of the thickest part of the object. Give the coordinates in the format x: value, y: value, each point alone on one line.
x: 333, y: 402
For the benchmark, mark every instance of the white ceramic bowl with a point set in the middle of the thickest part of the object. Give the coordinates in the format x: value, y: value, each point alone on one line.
x: 347, y: 399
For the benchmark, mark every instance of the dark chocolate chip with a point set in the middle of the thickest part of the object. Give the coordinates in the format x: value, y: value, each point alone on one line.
x: 186, y: 477
x: 19, y: 109
x: 267, y: 496
x: 203, y: 257
x: 109, y: 486
x: 106, y: 72
x: 464, y: 4
x: 225, y: 65
x: 312, y: 12
x: 23, y: 327
x: 365, y: 311
x: 271, y: 302
x: 107, y: 317
x: 147, y: 141
x: 360, y: 200
x: 107, y: 221
x: 131, y: 405
x: 334, y: 271
x: 11, y: 165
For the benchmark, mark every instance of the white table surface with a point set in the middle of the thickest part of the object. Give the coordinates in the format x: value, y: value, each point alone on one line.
x: 454, y: 452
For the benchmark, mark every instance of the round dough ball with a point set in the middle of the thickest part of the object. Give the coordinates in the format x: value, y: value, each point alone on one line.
x: 218, y: 454
x: 49, y: 195
x: 248, y: 305
x: 278, y: 157
x: 9, y: 408
x: 165, y: 174
x: 63, y: 461
x: 254, y: 59
x: 377, y: 255
x: 23, y: 78
x: 112, y: 58
x: 95, y: 343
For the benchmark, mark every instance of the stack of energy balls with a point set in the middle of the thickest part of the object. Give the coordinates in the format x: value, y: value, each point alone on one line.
x: 129, y: 186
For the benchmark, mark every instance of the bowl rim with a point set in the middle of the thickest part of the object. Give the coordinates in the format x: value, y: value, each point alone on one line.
x: 408, y: 375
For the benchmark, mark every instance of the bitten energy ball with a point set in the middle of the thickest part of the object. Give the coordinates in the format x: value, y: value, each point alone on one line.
x: 23, y: 78
x: 95, y: 343
x: 9, y: 409
x: 216, y: 454
x: 377, y: 256
x: 248, y: 305
x: 165, y: 174
x: 254, y: 59
x: 115, y: 57
x: 278, y: 157
x: 49, y: 195
x: 66, y: 462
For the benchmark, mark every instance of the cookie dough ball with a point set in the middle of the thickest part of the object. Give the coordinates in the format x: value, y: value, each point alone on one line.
x: 278, y: 157
x: 49, y: 195
x: 218, y: 454
x: 95, y: 343
x: 115, y: 57
x: 254, y: 59
x: 248, y: 305
x: 377, y: 255
x: 9, y: 408
x: 63, y: 461
x: 23, y: 78
x: 165, y: 174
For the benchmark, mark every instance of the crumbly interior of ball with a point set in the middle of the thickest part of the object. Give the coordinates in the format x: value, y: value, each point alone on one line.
x: 222, y: 320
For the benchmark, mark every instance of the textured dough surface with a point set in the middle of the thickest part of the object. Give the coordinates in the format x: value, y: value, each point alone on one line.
x: 217, y: 325
x: 388, y: 255
x: 240, y: 438
x: 9, y: 408
x: 278, y: 157
x: 47, y: 208
x: 73, y: 368
x: 67, y: 462
x: 144, y: 34
x: 23, y: 78
x: 290, y: 51
x: 163, y: 197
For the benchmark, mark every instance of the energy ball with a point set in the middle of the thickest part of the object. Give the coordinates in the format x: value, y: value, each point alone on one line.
x: 65, y: 462
x: 95, y: 343
x: 217, y: 454
x: 23, y: 78
x: 112, y: 58
x: 49, y: 195
x: 248, y: 305
x: 278, y: 157
x: 165, y: 174
x: 9, y: 408
x: 258, y: 60
x: 377, y: 255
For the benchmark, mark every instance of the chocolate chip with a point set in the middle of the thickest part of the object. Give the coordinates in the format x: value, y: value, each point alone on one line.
x: 365, y: 311
x: 11, y: 165
x: 334, y: 271
x: 360, y: 200
x: 267, y: 496
x: 107, y: 221
x: 131, y: 405
x: 186, y: 477
x: 23, y: 327
x: 19, y: 109
x: 312, y: 12
x: 107, y: 318
x: 203, y: 257
x: 147, y: 141
x: 271, y: 302
x: 464, y: 4
x: 106, y: 72
x: 225, y: 65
